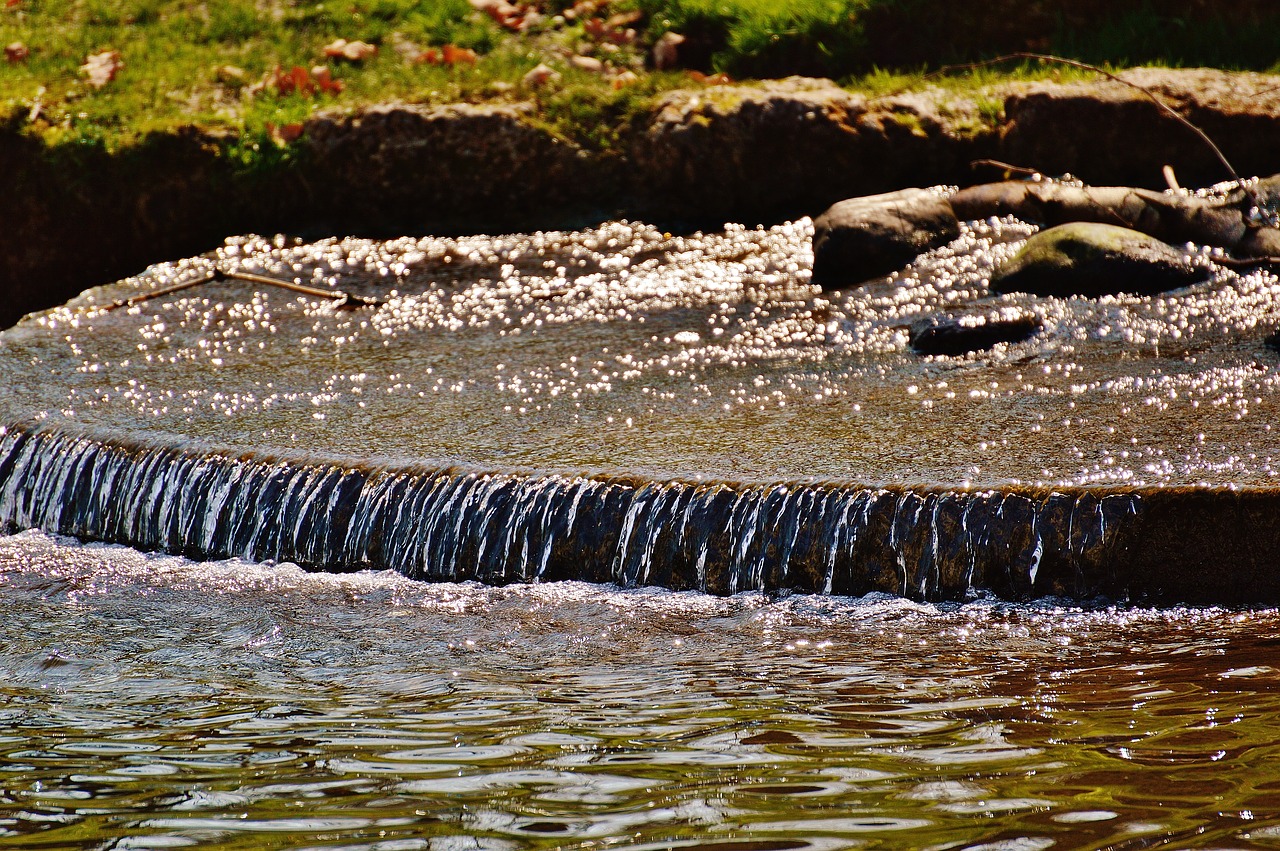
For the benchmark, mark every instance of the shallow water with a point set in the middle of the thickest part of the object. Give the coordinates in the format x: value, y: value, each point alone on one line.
x: 151, y: 702
x: 625, y: 351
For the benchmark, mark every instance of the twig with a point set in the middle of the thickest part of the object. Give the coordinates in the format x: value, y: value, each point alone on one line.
x: 342, y: 300
x: 1008, y: 168
x: 1246, y: 262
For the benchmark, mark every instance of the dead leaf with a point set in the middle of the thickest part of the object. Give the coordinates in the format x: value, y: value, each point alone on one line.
x: 624, y: 78
x: 623, y: 19
x: 587, y: 63
x: 324, y: 81
x: 540, y: 76
x: 352, y: 51
x: 16, y: 52
x: 295, y: 79
x: 720, y: 79
x: 594, y: 28
x: 447, y: 55
x: 285, y: 134
x: 665, y: 51
x: 458, y: 55
x: 505, y: 14
x: 298, y: 80
x: 102, y: 68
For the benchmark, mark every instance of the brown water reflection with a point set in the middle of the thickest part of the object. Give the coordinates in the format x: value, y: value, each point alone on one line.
x: 149, y: 702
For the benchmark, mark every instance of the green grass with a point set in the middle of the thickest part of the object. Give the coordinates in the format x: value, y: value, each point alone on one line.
x: 177, y: 55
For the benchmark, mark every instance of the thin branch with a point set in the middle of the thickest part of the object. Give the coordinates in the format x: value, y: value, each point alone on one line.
x: 1085, y: 66
x: 1245, y: 262
x: 1007, y: 168
x: 343, y: 300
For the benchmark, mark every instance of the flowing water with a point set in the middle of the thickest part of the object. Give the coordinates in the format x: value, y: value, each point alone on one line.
x: 630, y: 408
x: 623, y: 405
x: 153, y: 702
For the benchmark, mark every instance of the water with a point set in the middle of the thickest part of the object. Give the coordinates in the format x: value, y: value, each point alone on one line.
x: 152, y: 702
x: 632, y: 407
x: 629, y: 406
x: 625, y: 352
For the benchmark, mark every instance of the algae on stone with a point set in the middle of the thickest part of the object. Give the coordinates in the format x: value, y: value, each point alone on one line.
x: 1092, y: 259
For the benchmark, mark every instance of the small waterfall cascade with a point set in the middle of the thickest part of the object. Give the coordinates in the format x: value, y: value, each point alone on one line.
x: 454, y: 525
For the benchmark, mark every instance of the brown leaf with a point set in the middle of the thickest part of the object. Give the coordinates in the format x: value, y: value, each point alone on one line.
x: 352, y: 51
x: 458, y: 55
x: 540, y: 76
x: 720, y: 79
x: 298, y: 79
x: 285, y: 134
x: 324, y: 81
x: 506, y: 14
x: 587, y: 63
x: 624, y: 78
x: 447, y: 55
x: 295, y: 79
x: 16, y: 52
x: 102, y: 68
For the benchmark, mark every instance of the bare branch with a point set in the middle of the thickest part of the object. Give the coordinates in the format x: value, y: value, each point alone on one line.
x: 341, y: 299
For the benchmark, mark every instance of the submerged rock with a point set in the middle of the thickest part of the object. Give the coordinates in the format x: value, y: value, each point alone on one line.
x: 949, y: 335
x: 864, y: 238
x: 1091, y: 259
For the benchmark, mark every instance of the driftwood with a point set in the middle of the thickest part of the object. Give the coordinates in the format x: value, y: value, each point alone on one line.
x: 864, y: 238
x: 1226, y: 221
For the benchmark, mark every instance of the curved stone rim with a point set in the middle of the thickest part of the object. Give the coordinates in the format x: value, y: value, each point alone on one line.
x: 1211, y: 545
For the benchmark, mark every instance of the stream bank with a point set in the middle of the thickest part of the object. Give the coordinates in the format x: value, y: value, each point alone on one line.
x: 750, y: 153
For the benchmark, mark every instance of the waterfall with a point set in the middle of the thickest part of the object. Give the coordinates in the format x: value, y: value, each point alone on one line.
x: 454, y: 525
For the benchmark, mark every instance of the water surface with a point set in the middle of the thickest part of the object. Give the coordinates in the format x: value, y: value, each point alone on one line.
x: 152, y: 702
x: 624, y: 351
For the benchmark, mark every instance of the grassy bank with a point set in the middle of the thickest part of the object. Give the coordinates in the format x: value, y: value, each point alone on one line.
x: 254, y: 69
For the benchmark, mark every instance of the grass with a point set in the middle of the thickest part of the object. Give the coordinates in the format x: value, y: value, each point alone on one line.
x: 210, y: 64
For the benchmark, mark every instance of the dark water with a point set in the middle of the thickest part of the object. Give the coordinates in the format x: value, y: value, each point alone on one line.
x: 151, y: 702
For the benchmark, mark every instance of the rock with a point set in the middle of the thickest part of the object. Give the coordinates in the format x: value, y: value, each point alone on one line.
x: 1091, y: 259
x: 952, y: 335
x: 864, y: 238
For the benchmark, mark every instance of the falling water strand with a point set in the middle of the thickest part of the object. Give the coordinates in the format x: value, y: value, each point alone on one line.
x: 448, y: 524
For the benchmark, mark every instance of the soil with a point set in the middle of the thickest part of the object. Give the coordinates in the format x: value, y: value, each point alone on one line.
x: 754, y: 154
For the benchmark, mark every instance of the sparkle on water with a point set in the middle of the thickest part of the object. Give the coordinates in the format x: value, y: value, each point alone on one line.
x: 625, y: 351
x: 151, y: 702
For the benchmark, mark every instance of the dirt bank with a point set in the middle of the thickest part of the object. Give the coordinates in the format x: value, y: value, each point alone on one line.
x: 699, y: 158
